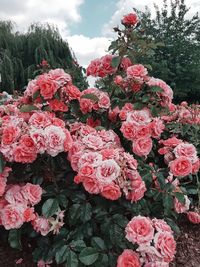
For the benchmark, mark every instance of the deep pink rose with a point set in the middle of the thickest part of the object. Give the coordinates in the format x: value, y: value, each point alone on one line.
x: 10, y: 134
x: 181, y: 166
x: 111, y: 191
x: 57, y: 105
x: 130, y: 19
x: 48, y: 87
x: 140, y: 230
x: 128, y: 258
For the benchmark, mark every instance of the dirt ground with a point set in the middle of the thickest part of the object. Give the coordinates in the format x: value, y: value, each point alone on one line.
x: 188, y: 250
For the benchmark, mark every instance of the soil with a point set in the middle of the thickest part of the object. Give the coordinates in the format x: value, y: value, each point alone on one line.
x: 188, y: 250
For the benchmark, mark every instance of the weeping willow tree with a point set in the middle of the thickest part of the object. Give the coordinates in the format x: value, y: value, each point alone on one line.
x: 21, y: 53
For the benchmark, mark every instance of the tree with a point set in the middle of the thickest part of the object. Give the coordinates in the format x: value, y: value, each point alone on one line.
x: 22, y: 53
x: 178, y: 60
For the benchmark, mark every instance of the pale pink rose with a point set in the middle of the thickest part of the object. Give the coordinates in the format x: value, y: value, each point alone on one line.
x: 168, y: 157
x: 130, y: 19
x: 108, y: 171
x: 60, y: 76
x: 93, y: 158
x: 10, y: 134
x: 139, y: 117
x: 12, y: 216
x: 193, y: 217
x: 181, y: 166
x: 149, y: 253
x: 104, y: 101
x: 111, y: 191
x: 91, y: 185
x: 42, y: 263
x: 180, y: 207
x: 55, y: 140
x: 48, y: 87
x: 186, y: 150
x: 161, y: 226
x: 93, y: 141
x: 14, y: 195
x: 171, y: 142
x: 32, y: 193
x: 39, y: 139
x: 31, y: 88
x: 132, y: 163
x: 41, y: 225
x: 128, y: 258
x: 157, y: 127
x: 140, y: 230
x: 58, y: 122
x: 39, y: 120
x: 166, y: 245
x: 142, y: 146
x: 157, y: 264
x: 137, y: 72
x: 128, y: 130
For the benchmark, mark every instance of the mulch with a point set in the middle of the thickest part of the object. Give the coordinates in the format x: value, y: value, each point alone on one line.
x: 188, y: 250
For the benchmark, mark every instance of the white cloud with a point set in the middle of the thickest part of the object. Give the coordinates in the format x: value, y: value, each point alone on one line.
x: 60, y: 12
x: 86, y: 48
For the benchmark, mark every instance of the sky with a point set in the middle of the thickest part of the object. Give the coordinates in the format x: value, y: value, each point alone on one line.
x: 85, y: 24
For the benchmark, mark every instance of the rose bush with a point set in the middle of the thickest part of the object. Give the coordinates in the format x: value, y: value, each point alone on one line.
x: 99, y: 176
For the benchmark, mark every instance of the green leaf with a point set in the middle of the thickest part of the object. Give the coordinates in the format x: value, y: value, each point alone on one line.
x: 168, y: 203
x: 138, y: 105
x: 61, y: 254
x: 78, y: 245
x: 74, y: 213
x: 14, y: 238
x: 36, y: 94
x: 91, y: 97
x: 28, y: 108
x: 62, y: 199
x: 88, y: 255
x: 50, y: 207
x: 180, y: 197
x: 98, y: 243
x: 115, y: 61
x: 2, y: 163
x: 145, y: 98
x: 72, y: 259
x: 156, y: 89
x: 86, y: 212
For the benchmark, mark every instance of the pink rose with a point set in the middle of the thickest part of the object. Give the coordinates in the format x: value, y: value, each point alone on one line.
x: 57, y: 105
x: 128, y: 130
x: 111, y: 191
x: 93, y: 158
x: 41, y: 225
x: 39, y: 139
x: 91, y: 185
x: 118, y: 80
x: 193, y: 217
x: 104, y: 101
x: 140, y: 230
x: 29, y: 215
x: 180, y: 207
x: 181, y: 166
x: 166, y: 245
x: 186, y: 150
x: 130, y: 19
x: 32, y: 193
x: 26, y: 151
x: 39, y: 120
x: 86, y: 105
x: 156, y: 264
x: 108, y: 171
x: 55, y: 138
x: 138, y: 188
x: 128, y: 258
x: 72, y: 92
x: 10, y: 134
x: 60, y: 76
x: 48, y: 87
x: 139, y: 117
x: 161, y: 226
x: 142, y: 146
x: 86, y: 170
x: 125, y: 63
x: 195, y: 166
x: 93, y: 141
x: 157, y: 127
x: 14, y: 195
x: 137, y: 72
x: 12, y: 217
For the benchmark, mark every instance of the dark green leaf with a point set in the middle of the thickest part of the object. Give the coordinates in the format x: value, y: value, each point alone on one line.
x: 50, y: 207
x: 115, y: 61
x: 72, y: 259
x: 180, y: 197
x: 61, y: 254
x: 91, y: 97
x: 98, y: 243
x: 14, y: 238
x: 88, y: 256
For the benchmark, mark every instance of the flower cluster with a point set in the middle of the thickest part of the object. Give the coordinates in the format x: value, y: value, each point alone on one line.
x: 180, y: 156
x: 93, y: 99
x: 156, y: 244
x: 54, y: 90
x: 22, y: 138
x: 139, y: 127
x: 17, y: 205
x: 101, y: 67
x: 102, y: 165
